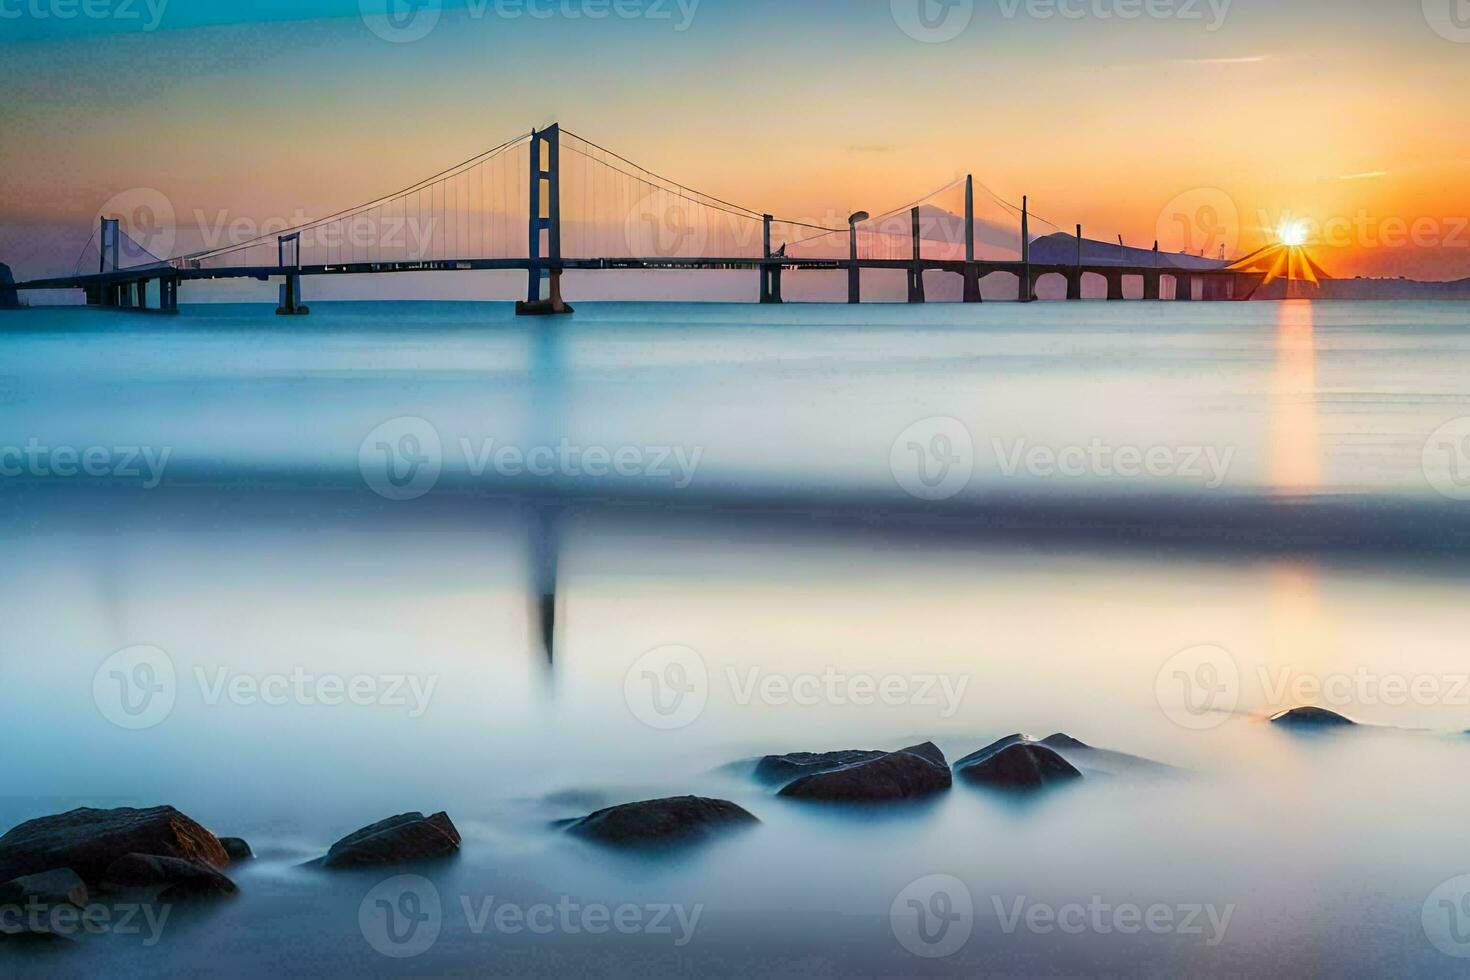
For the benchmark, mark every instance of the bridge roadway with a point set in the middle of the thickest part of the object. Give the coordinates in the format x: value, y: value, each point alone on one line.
x: 126, y: 288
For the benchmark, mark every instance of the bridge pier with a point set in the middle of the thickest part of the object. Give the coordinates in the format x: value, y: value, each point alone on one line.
x: 1216, y: 289
x: 972, y: 284
x: 1115, y: 286
x: 916, y: 285
x: 1152, y: 285
x: 9, y: 298
x: 291, y: 304
x: 916, y: 271
x: 1183, y: 287
x: 771, y: 284
x: 1074, y: 285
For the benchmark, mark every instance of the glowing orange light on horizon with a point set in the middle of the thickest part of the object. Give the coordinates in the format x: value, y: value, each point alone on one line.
x: 1292, y: 234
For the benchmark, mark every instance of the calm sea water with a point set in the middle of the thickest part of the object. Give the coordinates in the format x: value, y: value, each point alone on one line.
x: 1150, y: 526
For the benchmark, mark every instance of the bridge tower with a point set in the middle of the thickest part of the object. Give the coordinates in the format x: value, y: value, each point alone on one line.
x: 290, y: 302
x: 916, y: 271
x: 543, y: 289
x: 770, y: 274
x: 1027, y: 293
x: 972, y: 271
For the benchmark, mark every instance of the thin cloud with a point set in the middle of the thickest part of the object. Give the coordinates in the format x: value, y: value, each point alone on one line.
x: 1254, y: 59
x: 1366, y: 175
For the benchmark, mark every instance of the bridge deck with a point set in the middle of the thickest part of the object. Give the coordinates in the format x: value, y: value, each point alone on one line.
x: 264, y: 273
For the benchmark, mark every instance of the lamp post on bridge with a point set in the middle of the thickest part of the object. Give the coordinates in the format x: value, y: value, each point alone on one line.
x: 854, y: 275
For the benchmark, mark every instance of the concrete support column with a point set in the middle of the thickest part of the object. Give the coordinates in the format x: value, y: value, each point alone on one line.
x: 1074, y: 285
x: 1115, y: 286
x: 916, y: 285
x: 1151, y: 285
x: 972, y: 284
x: 1183, y: 287
x: 291, y: 304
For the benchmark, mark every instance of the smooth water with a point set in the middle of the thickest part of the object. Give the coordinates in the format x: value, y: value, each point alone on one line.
x: 776, y: 548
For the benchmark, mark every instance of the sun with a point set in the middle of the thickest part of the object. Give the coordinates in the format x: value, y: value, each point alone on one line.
x: 1292, y: 234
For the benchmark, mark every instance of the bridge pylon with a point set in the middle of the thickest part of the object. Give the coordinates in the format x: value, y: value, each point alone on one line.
x: 543, y: 288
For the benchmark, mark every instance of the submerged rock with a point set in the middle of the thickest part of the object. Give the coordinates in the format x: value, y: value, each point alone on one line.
x: 1312, y: 718
x: 1023, y: 766
x: 908, y: 774
x: 236, y: 848
x: 1062, y: 742
x: 782, y: 769
x: 61, y: 886
x: 88, y: 841
x: 403, y: 839
x: 166, y: 878
x: 678, y: 820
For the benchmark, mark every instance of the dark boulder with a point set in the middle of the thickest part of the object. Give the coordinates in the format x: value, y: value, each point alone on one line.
x: 1312, y: 718
x: 166, y: 878
x: 88, y: 841
x: 652, y: 823
x: 398, y: 840
x: 236, y: 848
x: 1062, y: 742
x: 908, y: 774
x: 1020, y: 766
x: 61, y: 886
x: 779, y: 770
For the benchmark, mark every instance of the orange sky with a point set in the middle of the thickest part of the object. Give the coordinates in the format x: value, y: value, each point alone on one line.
x: 1346, y: 114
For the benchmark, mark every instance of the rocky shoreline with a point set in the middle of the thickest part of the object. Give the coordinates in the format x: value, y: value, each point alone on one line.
x: 161, y: 855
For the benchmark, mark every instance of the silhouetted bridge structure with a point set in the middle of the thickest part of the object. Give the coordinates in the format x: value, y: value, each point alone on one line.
x: 531, y: 212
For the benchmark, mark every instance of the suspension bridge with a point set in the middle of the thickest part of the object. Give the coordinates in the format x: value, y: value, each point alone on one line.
x: 551, y: 202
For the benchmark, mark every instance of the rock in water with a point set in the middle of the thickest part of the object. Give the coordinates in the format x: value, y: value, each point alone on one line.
x: 166, y: 878
x: 88, y: 841
x: 1312, y: 718
x: 59, y: 887
x: 403, y: 839
x: 1020, y: 765
x: 679, y: 820
x: 1063, y: 742
x: 908, y: 774
x: 236, y: 848
x: 782, y: 769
